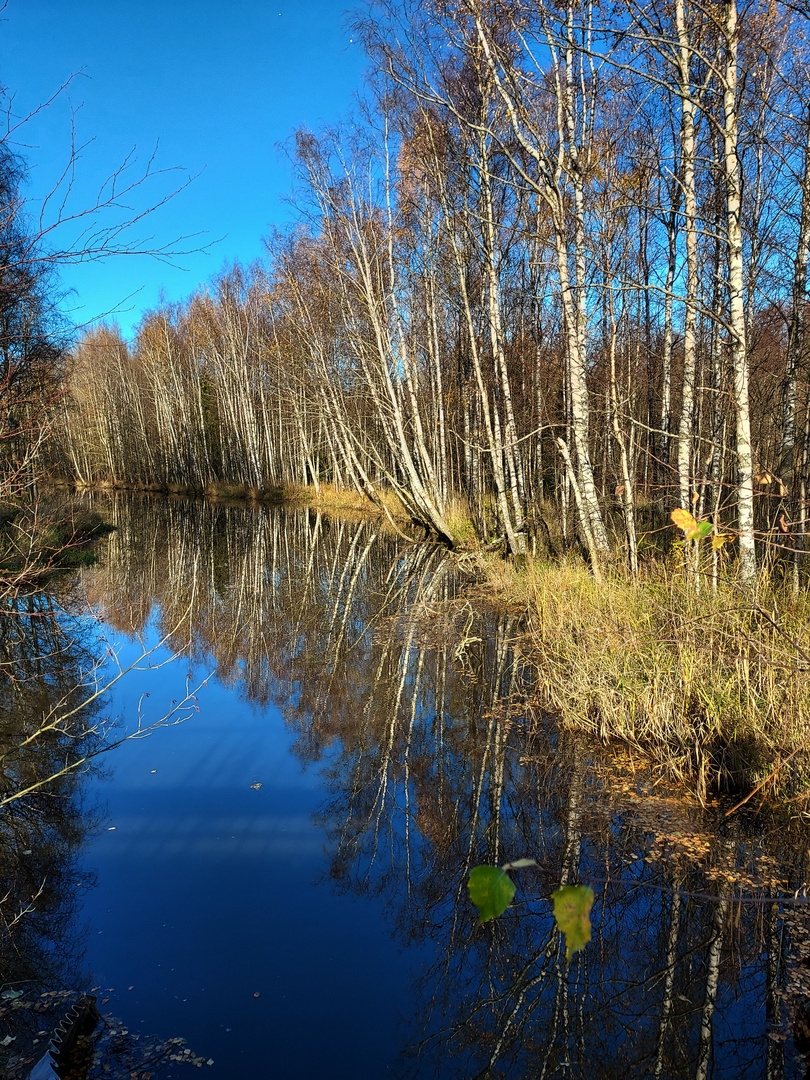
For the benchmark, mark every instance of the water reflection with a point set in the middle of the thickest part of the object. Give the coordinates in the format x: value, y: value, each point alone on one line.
x: 414, y: 703
x: 45, y: 655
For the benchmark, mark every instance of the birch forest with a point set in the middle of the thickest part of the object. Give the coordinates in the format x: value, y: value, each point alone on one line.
x: 547, y: 285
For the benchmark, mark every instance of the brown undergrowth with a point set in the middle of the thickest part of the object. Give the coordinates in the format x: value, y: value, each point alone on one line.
x: 714, y: 687
x: 326, y: 497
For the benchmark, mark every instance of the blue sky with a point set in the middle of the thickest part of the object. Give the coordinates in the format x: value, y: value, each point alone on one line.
x: 215, y: 86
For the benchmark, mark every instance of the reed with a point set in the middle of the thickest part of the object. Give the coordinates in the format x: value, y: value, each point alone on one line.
x: 714, y: 687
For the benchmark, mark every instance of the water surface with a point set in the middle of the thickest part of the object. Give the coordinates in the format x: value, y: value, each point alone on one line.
x: 280, y: 878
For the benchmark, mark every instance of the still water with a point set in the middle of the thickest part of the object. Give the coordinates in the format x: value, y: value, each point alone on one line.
x: 280, y: 877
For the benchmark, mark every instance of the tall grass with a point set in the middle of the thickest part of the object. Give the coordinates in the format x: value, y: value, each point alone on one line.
x: 459, y: 521
x: 714, y: 687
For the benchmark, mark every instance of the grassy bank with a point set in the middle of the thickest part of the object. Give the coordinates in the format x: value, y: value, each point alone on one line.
x: 712, y: 687
x: 218, y: 490
x: 326, y: 497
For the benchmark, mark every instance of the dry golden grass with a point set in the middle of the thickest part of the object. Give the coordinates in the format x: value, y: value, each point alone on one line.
x: 348, y: 500
x: 459, y: 521
x: 715, y: 688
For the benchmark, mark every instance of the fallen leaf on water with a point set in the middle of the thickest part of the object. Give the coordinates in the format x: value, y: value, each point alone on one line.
x: 256, y: 994
x: 256, y: 785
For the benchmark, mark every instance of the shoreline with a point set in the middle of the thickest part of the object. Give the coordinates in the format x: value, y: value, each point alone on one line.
x: 710, y: 687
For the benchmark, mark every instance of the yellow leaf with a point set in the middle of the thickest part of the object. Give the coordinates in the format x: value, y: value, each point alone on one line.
x: 683, y: 519
x: 572, y: 913
x: 721, y: 538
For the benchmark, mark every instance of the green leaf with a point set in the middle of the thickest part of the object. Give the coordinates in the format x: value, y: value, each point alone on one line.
x: 703, y: 528
x: 491, y: 890
x: 572, y: 913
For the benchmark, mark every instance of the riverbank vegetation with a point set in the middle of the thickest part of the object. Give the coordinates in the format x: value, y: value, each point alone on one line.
x: 710, y: 686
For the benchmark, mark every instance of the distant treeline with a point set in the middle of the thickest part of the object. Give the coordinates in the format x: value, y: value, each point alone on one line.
x: 558, y: 267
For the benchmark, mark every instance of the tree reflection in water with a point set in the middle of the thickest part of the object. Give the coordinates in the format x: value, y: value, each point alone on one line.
x: 417, y: 702
x: 44, y: 657
x: 54, y: 727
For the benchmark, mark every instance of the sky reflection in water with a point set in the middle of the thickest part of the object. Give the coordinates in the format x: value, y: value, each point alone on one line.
x: 210, y: 892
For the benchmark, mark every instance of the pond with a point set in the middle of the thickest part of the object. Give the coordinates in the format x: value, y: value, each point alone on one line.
x: 280, y: 876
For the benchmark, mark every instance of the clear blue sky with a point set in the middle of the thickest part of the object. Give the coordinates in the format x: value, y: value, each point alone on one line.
x: 218, y: 85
